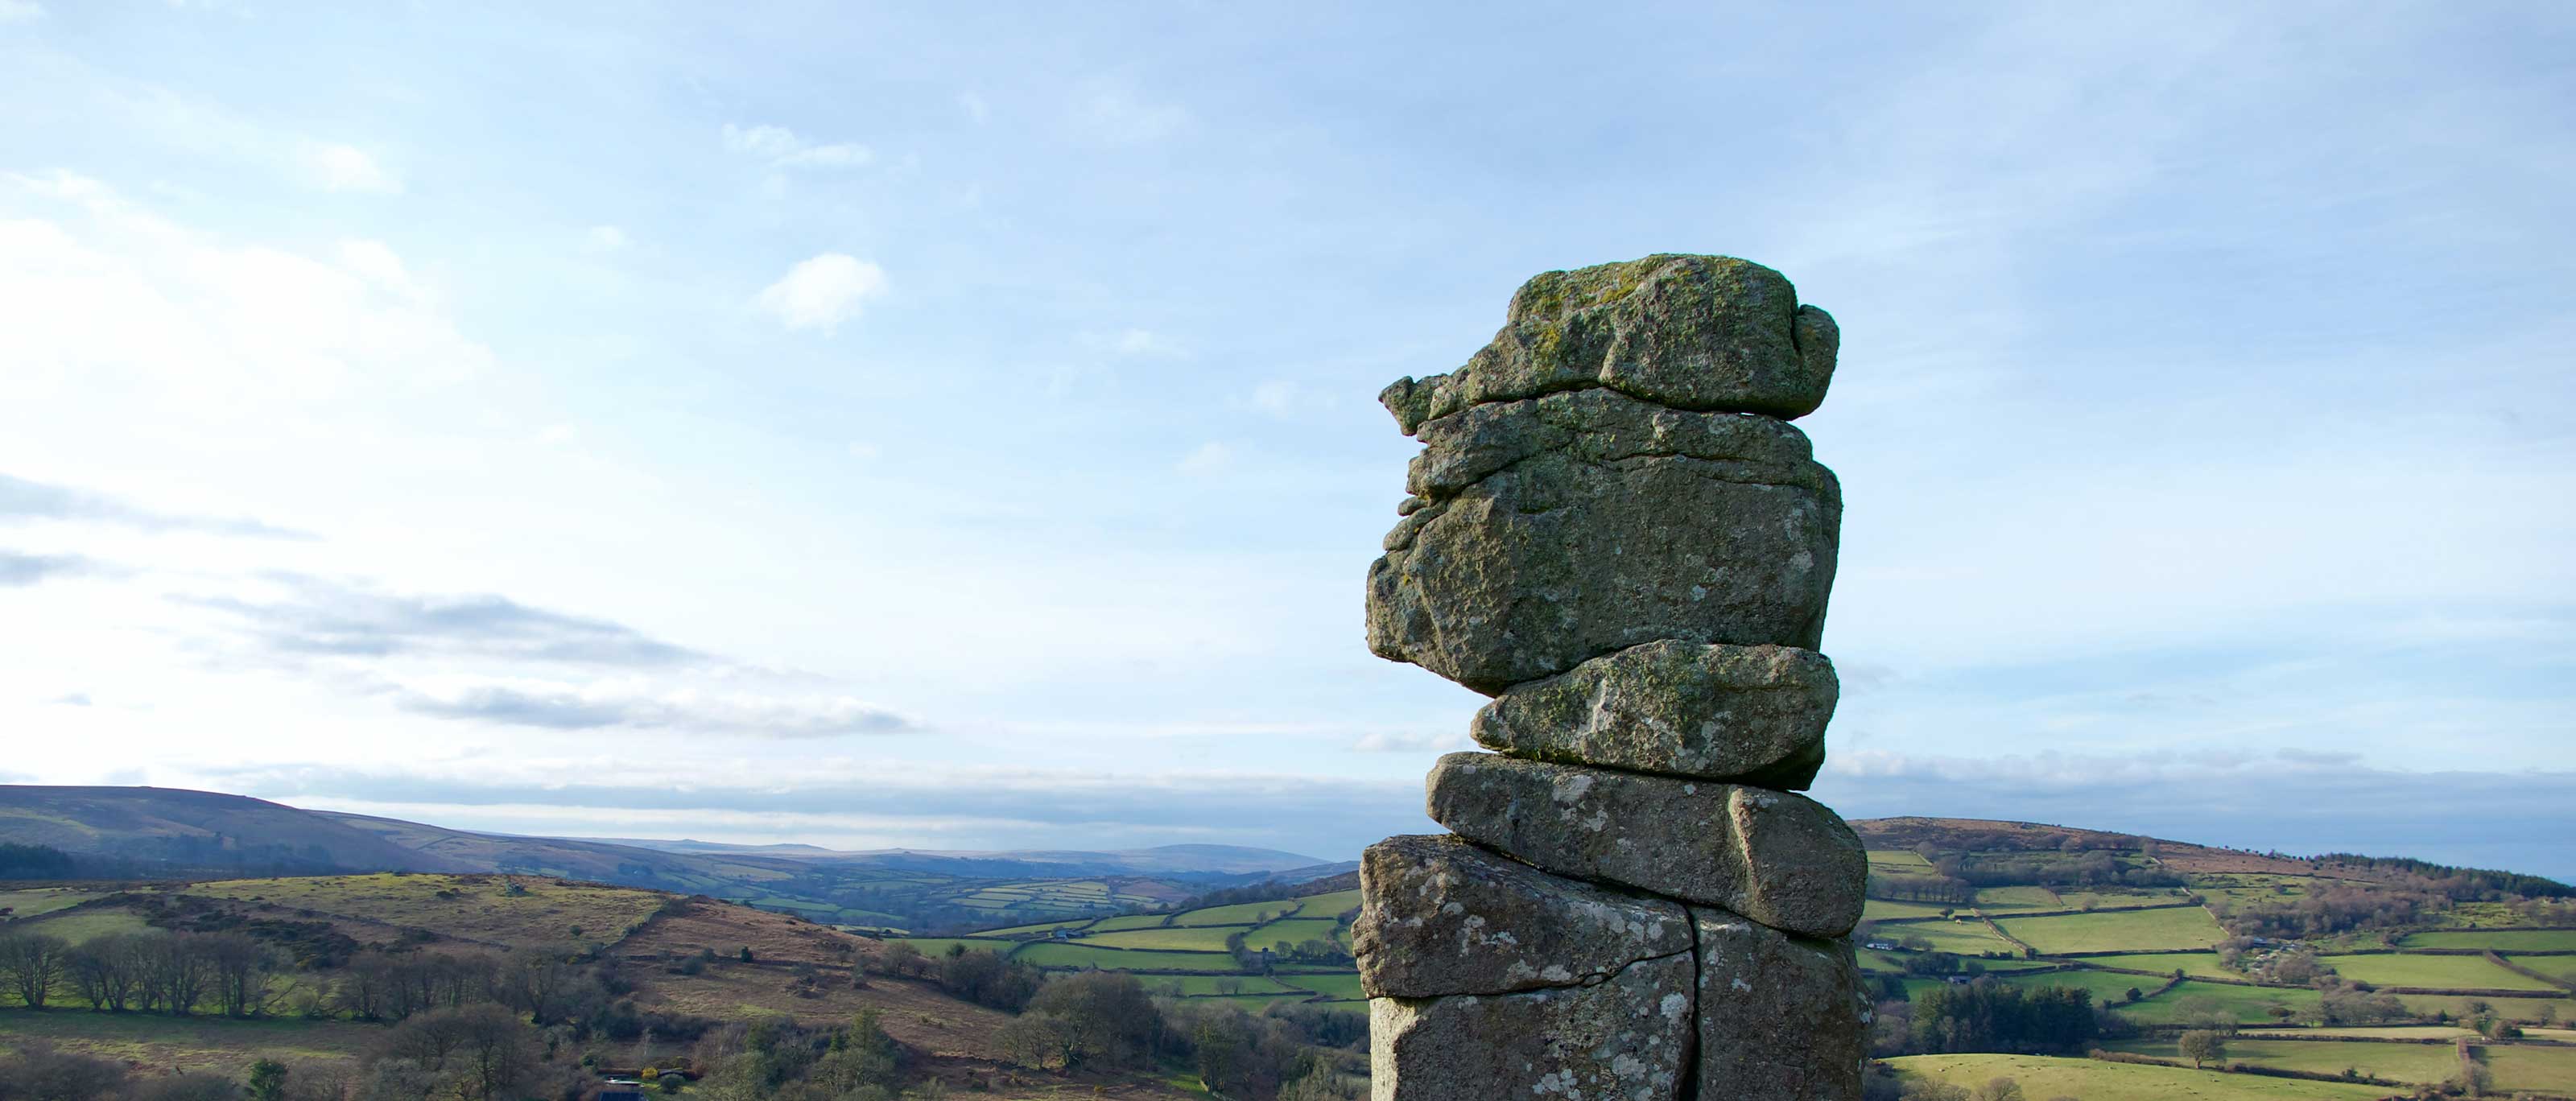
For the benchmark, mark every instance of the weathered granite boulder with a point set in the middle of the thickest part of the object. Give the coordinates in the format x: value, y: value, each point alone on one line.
x: 1440, y: 916
x: 1547, y: 532
x: 1780, y: 859
x: 1710, y: 333
x: 1781, y: 1018
x: 1628, y: 1038
x: 1751, y: 714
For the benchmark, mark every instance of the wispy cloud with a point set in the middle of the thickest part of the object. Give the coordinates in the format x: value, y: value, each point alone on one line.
x: 22, y: 500
x: 19, y: 570
x: 632, y: 704
x: 780, y: 147
x: 822, y: 292
x: 319, y: 617
x: 20, y: 11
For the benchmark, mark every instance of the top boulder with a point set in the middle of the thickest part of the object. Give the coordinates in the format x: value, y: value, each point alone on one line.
x: 1701, y: 333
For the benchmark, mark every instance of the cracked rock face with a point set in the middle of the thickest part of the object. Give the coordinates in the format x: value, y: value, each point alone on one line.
x: 1548, y: 532
x: 1752, y: 714
x: 1440, y: 916
x: 1710, y: 333
x: 1780, y: 859
x: 1781, y: 1018
x: 1627, y: 1038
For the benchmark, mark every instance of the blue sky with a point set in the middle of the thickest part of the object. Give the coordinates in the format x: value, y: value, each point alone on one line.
x: 955, y: 428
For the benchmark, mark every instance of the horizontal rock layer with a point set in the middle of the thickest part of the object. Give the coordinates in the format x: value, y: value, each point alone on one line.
x: 1553, y: 531
x: 1440, y: 916
x: 1781, y: 1018
x: 1710, y: 333
x: 1783, y: 860
x: 1629, y: 1038
x: 1750, y: 714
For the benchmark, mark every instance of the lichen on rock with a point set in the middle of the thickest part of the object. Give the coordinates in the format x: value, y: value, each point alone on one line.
x: 1708, y: 333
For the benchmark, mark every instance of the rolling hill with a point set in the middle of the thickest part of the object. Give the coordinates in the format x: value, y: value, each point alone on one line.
x: 163, y: 832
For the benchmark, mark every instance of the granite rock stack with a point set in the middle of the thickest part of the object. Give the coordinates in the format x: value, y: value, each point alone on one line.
x: 1614, y: 531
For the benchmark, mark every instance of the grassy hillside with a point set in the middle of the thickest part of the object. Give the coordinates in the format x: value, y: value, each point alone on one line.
x: 670, y: 956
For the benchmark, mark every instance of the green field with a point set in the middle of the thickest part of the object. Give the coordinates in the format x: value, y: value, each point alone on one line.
x: 1042, y: 927
x: 2203, y: 964
x: 2403, y: 1062
x: 1329, y: 906
x: 77, y: 926
x: 2249, y: 1005
x: 1345, y: 987
x: 222, y: 1045
x: 1130, y: 921
x: 1293, y: 930
x: 2041, y: 1076
x: 1244, y: 913
x: 1184, y: 939
x: 2434, y: 972
x: 35, y: 901
x: 2499, y: 940
x: 2173, y: 929
x: 1966, y: 936
x: 1051, y: 954
x: 2562, y: 968
x: 1880, y: 909
x: 1991, y: 899
x: 2386, y: 1032
x: 1204, y: 985
x: 2522, y: 1067
x: 2515, y: 1009
x: 1899, y: 860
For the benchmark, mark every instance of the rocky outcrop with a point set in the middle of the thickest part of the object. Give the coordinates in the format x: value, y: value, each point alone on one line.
x: 1778, y: 858
x: 1613, y: 530
x: 1752, y: 713
x: 1552, y: 531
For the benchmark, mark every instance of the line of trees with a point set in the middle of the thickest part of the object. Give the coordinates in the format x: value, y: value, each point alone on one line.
x: 1993, y: 1016
x: 224, y: 974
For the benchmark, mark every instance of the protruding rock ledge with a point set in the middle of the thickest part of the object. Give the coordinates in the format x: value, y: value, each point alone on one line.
x: 1783, y: 860
x: 1748, y: 714
x: 1710, y: 333
x: 1628, y: 1038
x: 1781, y: 1018
x: 1440, y: 916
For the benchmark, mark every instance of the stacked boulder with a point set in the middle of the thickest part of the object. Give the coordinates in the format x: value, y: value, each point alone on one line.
x: 1614, y: 531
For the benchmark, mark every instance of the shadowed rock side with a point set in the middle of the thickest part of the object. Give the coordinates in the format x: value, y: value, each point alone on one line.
x: 1629, y: 1037
x: 1614, y: 531
x: 1440, y: 916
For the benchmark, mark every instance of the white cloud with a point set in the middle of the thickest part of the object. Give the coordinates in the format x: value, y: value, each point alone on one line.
x: 1210, y: 458
x: 865, y: 451
x: 1275, y: 397
x: 605, y: 238
x: 334, y: 167
x: 974, y: 106
x: 1383, y: 742
x: 823, y: 292
x: 19, y: 11
x: 779, y: 147
x: 96, y: 289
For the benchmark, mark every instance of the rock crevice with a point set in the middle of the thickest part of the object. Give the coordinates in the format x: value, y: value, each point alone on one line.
x: 1614, y: 531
